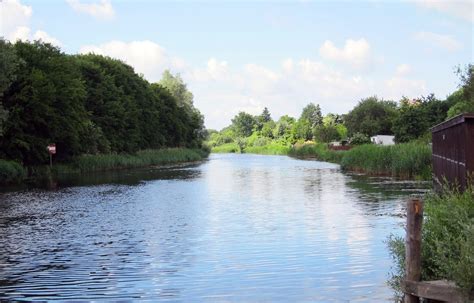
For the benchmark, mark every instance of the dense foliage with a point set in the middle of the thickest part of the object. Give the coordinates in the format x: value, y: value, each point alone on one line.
x: 447, y: 240
x: 87, y: 104
x: 371, y: 117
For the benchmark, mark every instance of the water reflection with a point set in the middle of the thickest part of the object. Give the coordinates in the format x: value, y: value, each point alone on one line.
x: 235, y: 228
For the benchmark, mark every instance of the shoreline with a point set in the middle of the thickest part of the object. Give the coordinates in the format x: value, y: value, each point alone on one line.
x: 86, y: 164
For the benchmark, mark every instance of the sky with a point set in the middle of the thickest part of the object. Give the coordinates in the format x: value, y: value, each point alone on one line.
x: 246, y: 55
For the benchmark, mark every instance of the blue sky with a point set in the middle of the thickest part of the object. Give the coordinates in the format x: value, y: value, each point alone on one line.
x: 245, y: 55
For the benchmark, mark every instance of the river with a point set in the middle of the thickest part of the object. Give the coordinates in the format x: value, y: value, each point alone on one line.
x: 232, y: 228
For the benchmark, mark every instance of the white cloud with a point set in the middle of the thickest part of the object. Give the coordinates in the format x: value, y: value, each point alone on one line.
x: 15, y: 19
x: 463, y: 9
x: 403, y: 69
x: 20, y: 33
x: 356, y: 53
x: 45, y: 37
x: 222, y: 90
x: 100, y: 10
x: 15, y: 23
x: 145, y: 56
x: 442, y: 41
x: 214, y: 70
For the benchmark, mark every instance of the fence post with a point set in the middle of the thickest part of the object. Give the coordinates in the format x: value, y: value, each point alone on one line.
x: 413, y: 244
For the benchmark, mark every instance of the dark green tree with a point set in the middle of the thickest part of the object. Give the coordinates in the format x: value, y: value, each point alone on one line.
x: 371, y: 117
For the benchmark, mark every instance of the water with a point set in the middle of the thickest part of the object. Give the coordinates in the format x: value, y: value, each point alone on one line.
x: 233, y: 228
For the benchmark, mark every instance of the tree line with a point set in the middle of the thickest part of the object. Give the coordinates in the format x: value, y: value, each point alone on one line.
x: 87, y: 104
x: 407, y: 120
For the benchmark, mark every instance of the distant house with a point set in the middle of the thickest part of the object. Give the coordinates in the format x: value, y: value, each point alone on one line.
x: 383, y: 140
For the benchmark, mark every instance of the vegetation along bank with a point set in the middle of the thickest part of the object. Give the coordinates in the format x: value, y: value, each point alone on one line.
x: 408, y: 120
x: 97, y: 110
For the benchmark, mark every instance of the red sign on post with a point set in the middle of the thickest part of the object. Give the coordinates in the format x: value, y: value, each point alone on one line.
x: 52, y: 149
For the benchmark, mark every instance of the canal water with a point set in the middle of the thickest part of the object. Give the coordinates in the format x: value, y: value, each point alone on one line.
x: 233, y: 228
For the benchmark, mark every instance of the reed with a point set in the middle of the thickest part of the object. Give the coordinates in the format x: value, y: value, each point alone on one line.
x: 408, y: 160
x: 90, y: 163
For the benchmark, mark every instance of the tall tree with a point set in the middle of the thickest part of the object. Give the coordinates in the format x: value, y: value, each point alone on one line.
x: 312, y: 113
x: 265, y: 116
x: 9, y: 63
x: 371, y: 117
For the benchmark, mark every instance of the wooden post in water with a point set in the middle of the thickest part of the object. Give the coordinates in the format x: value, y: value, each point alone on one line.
x: 413, y: 244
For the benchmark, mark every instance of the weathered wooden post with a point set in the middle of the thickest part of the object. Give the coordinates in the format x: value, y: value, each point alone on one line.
x: 413, y: 244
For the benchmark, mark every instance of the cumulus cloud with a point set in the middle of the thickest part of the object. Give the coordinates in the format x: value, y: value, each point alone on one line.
x: 100, y: 10
x: 15, y: 19
x: 221, y: 90
x: 463, y: 9
x: 45, y: 37
x: 145, y: 56
x: 15, y: 23
x: 441, y: 41
x: 356, y: 53
x: 214, y: 71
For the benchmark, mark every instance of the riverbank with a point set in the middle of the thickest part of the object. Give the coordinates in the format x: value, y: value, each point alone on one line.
x: 14, y: 173
x: 407, y: 160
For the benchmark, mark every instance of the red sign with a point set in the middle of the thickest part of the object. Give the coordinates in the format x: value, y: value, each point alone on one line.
x: 52, y: 149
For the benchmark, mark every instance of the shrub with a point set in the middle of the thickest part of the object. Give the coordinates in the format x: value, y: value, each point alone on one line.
x: 11, y: 172
x: 359, y: 139
x: 447, y: 240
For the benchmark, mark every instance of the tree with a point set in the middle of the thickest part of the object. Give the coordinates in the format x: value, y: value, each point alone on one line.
x: 371, y: 117
x: 283, y: 128
x: 462, y: 101
x: 417, y: 116
x: 177, y: 88
x: 45, y: 104
x: 8, y: 65
x: 265, y: 116
x: 302, y: 129
x: 243, y: 124
x: 312, y: 113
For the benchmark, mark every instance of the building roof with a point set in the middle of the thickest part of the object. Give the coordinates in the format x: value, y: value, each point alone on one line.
x: 452, y: 122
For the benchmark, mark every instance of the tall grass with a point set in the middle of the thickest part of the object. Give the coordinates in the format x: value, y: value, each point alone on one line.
x: 316, y: 150
x: 408, y: 160
x: 272, y: 148
x: 89, y: 163
x: 226, y: 148
x: 11, y: 172
x: 447, y: 240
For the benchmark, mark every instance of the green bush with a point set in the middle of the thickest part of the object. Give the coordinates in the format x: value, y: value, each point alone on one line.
x: 447, y: 241
x: 11, y: 172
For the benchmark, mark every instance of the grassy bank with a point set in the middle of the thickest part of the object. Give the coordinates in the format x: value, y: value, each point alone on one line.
x: 14, y: 173
x: 273, y: 148
x: 447, y: 241
x: 91, y: 163
x: 408, y: 160
x: 318, y: 151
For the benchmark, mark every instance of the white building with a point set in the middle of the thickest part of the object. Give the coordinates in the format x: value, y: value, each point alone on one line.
x: 383, y: 140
